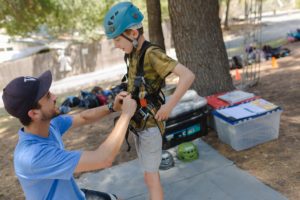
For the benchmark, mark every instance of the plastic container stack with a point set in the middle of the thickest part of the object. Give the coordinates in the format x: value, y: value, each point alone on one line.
x: 246, y: 125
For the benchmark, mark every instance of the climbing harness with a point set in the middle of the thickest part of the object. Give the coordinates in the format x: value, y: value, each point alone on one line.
x: 148, y: 99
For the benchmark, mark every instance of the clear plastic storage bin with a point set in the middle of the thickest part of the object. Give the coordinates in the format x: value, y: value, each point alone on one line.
x: 247, y: 133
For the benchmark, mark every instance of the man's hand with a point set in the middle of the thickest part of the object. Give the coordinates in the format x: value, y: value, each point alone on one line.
x: 129, y: 105
x: 119, y: 100
x: 163, y: 113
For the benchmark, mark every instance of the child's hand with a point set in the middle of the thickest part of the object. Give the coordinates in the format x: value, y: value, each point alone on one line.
x: 163, y: 113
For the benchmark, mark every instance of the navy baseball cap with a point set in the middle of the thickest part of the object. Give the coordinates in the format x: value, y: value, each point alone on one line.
x: 22, y: 93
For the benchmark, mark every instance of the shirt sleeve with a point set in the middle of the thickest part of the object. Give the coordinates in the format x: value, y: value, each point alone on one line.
x: 161, y: 62
x: 54, y: 163
x: 63, y: 123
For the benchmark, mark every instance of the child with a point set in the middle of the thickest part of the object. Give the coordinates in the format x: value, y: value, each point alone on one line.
x: 123, y: 24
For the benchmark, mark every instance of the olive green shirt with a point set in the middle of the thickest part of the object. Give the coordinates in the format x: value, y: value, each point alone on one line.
x: 157, y: 65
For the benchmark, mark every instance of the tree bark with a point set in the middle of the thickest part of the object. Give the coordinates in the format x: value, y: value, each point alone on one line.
x: 199, y: 44
x: 154, y: 23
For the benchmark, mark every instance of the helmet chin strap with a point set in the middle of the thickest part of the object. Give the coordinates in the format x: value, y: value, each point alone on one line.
x: 134, y: 42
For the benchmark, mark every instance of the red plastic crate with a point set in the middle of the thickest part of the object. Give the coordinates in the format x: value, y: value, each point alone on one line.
x: 214, y: 102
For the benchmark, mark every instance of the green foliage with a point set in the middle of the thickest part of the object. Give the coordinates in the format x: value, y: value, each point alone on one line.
x: 56, y: 16
x: 143, y: 8
x: 61, y: 17
x: 298, y: 3
x: 164, y: 9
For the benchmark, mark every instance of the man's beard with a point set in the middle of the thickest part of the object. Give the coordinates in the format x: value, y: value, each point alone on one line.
x: 47, y: 117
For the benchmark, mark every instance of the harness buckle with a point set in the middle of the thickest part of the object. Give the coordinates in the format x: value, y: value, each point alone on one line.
x: 143, y: 80
x: 144, y: 114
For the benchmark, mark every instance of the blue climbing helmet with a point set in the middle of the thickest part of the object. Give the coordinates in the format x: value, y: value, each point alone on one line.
x: 121, y: 17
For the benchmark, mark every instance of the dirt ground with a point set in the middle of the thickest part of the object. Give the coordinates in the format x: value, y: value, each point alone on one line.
x: 275, y: 163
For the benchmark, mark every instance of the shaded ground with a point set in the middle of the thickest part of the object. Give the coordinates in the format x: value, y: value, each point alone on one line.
x: 276, y: 163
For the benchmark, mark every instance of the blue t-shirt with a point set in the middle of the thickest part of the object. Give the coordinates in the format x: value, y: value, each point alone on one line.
x: 42, y: 165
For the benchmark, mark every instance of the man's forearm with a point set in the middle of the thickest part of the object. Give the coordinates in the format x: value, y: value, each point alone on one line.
x: 90, y: 115
x: 112, y: 144
x: 105, y: 154
x: 95, y: 113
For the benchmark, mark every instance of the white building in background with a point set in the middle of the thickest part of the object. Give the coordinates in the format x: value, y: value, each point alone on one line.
x: 13, y: 48
x: 5, y: 43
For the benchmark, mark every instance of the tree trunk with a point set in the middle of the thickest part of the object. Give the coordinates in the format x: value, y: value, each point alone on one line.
x: 246, y: 10
x: 199, y: 44
x: 227, y: 13
x: 154, y: 23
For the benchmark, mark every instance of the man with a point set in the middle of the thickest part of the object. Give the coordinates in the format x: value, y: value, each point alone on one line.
x: 44, y: 168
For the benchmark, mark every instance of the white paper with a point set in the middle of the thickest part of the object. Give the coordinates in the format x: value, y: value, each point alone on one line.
x: 236, y: 112
x: 236, y: 96
x: 249, y: 109
x: 253, y: 108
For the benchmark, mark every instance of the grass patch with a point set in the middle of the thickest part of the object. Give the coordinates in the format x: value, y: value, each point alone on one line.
x: 276, y: 43
x: 240, y: 50
x: 235, y: 51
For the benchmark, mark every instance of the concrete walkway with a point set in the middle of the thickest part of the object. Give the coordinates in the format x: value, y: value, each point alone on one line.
x: 211, y: 177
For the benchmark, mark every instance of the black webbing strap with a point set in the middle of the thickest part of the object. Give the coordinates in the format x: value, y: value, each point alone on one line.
x: 140, y: 67
x: 130, y: 128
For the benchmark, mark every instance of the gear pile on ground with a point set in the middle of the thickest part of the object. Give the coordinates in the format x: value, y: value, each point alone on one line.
x: 91, y: 99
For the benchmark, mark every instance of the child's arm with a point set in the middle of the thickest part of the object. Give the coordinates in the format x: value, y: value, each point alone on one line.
x: 186, y: 78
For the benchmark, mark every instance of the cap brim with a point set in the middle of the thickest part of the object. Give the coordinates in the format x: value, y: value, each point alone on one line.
x: 45, y: 83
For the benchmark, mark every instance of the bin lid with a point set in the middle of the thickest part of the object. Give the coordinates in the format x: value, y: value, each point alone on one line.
x: 236, y: 96
x: 247, y: 110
